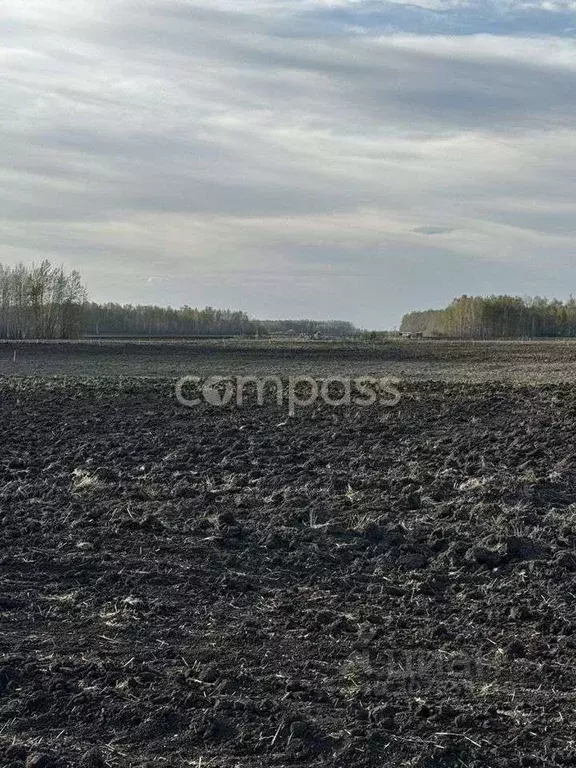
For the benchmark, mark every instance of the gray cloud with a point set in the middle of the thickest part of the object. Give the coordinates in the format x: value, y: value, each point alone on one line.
x: 433, y: 230
x: 219, y: 150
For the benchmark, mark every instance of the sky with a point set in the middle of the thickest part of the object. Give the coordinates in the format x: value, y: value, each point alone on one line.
x: 335, y: 159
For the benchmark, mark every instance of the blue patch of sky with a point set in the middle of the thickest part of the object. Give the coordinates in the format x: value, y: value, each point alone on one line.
x: 386, y: 17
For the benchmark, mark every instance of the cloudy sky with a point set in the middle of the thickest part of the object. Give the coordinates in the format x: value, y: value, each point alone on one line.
x: 348, y: 159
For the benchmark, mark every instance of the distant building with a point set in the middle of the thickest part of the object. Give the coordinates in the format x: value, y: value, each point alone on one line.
x: 412, y: 334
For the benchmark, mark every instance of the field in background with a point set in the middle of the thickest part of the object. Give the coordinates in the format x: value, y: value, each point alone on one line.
x: 525, y: 361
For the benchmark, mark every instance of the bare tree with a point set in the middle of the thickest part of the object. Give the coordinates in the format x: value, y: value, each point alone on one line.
x: 40, y: 301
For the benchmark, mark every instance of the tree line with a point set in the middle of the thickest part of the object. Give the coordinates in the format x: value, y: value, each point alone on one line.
x: 496, y: 317
x: 149, y: 320
x: 43, y: 301
x: 40, y: 301
x: 153, y: 321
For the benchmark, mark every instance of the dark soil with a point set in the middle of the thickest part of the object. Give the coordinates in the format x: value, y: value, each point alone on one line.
x: 230, y: 587
x: 478, y: 361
